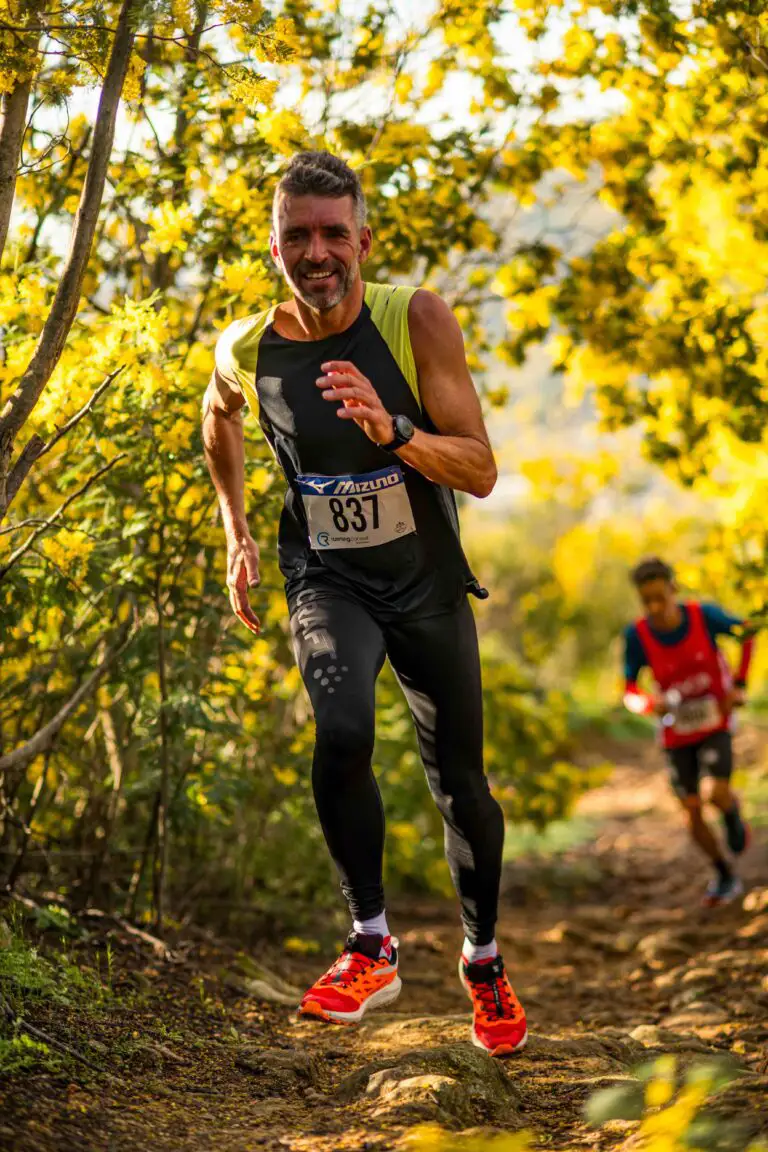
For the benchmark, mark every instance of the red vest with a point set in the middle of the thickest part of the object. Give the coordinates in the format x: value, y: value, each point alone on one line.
x: 697, y: 669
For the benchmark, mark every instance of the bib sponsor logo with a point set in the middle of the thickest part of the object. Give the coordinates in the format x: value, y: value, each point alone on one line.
x: 319, y: 486
x: 353, y: 487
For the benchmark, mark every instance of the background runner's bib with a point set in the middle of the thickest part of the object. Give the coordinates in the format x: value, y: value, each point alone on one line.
x: 699, y: 715
x: 356, y: 511
x: 697, y: 669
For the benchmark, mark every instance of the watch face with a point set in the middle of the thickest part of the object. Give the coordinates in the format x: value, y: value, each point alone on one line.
x: 404, y: 427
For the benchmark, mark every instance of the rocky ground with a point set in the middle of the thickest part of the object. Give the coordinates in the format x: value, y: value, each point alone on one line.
x: 610, y: 953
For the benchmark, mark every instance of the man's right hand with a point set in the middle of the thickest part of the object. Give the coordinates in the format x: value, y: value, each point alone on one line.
x: 242, y: 574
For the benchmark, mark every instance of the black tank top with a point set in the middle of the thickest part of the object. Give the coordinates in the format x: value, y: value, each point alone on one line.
x: 423, y: 572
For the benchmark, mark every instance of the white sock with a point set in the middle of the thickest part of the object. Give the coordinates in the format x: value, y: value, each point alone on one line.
x: 377, y: 926
x: 474, y: 952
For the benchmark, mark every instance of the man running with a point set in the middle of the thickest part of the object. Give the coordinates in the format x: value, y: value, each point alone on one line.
x: 697, y: 695
x: 364, y: 395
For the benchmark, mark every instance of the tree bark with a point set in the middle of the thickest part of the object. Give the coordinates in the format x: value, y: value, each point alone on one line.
x: 13, y: 119
x: 161, y: 836
x: 64, y: 307
x: 34, y: 805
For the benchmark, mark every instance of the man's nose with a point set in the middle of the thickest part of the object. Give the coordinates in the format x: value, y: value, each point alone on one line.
x: 316, y: 248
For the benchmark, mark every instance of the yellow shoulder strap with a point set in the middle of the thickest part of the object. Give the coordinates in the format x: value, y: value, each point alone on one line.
x: 389, y: 312
x: 237, y: 353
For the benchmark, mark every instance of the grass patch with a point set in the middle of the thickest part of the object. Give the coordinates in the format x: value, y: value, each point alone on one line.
x: 28, y: 976
x: 23, y: 1054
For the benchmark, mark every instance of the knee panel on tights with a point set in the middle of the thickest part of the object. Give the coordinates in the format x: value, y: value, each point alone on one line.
x: 344, y: 743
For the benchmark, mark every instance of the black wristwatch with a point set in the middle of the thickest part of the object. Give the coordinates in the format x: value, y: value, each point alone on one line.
x: 402, y: 430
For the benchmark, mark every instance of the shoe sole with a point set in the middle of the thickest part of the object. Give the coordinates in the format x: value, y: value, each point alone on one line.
x: 385, y: 995
x: 500, y: 1049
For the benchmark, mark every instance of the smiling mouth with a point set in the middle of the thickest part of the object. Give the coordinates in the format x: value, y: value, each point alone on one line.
x: 318, y: 277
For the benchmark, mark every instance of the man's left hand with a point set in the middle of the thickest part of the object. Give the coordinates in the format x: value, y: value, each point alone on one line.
x: 360, y: 400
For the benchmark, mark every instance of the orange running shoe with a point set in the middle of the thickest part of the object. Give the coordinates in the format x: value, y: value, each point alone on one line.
x: 499, y: 1024
x: 359, y: 980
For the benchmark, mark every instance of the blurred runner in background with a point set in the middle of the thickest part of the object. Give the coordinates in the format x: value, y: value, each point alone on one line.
x: 696, y: 695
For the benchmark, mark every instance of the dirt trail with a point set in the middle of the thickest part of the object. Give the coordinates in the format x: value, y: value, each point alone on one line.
x: 620, y: 966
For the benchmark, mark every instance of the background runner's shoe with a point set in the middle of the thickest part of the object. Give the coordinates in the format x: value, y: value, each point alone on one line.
x: 499, y: 1024
x: 722, y: 891
x: 359, y: 980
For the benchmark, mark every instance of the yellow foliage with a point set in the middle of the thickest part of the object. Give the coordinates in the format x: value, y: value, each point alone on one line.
x: 283, y: 130
x: 170, y: 227
x: 432, y: 1138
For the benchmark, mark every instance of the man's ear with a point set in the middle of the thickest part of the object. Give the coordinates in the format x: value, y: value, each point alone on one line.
x: 274, y: 251
x: 366, y: 243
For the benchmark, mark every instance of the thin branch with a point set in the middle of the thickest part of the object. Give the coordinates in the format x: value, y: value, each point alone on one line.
x: 42, y: 740
x: 48, y: 560
x: 22, y: 524
x: 38, y: 1034
x: 15, y: 556
x: 87, y: 407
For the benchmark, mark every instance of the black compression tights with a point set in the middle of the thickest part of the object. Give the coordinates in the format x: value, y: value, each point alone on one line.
x: 340, y: 650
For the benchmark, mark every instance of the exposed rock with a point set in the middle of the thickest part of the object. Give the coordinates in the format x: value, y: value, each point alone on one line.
x: 665, y: 946
x: 455, y: 1081
x: 280, y: 1068
x: 699, y: 975
x: 652, y: 1036
x: 756, y: 900
x: 605, y: 1049
x: 263, y: 984
x: 428, y: 1095
x: 756, y: 927
x: 261, y: 990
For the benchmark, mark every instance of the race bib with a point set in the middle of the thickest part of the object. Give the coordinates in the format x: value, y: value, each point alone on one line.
x: 356, y: 511
x: 699, y: 715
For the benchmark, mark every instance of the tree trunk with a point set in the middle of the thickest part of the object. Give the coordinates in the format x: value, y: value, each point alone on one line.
x: 161, y: 836
x: 64, y: 307
x: 102, y: 850
x: 35, y: 802
x: 13, y: 119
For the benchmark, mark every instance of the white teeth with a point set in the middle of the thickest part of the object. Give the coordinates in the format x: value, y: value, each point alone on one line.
x: 318, y: 275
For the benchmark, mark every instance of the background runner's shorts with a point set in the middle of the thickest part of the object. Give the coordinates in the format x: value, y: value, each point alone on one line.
x: 712, y: 756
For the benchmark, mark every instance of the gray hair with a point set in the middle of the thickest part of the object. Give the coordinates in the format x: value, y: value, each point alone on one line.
x: 321, y: 174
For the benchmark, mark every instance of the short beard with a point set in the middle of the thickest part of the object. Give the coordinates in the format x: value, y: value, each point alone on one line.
x: 326, y: 303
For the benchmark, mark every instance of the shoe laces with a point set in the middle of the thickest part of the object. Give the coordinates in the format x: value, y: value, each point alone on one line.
x: 346, y: 969
x: 495, y: 994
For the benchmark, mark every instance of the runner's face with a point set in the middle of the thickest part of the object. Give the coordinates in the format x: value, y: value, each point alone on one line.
x: 319, y: 248
x: 659, y: 599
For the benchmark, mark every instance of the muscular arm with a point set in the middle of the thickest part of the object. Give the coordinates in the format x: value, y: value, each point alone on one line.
x: 225, y: 457
x: 460, y: 456
x: 224, y: 452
